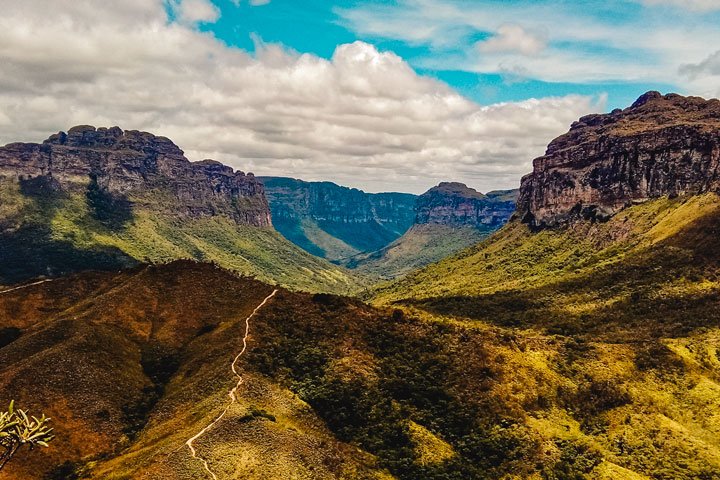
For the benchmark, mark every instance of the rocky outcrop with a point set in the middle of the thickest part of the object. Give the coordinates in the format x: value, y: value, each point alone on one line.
x: 454, y: 204
x: 148, y: 170
x: 329, y: 202
x: 333, y: 221
x: 661, y: 145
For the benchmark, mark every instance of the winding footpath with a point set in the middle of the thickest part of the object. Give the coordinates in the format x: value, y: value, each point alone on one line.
x: 233, y: 392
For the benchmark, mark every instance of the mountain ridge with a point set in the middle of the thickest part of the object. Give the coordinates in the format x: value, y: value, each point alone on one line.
x: 109, y: 198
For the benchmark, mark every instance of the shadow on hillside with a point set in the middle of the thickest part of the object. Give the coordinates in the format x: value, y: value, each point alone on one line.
x: 28, y: 248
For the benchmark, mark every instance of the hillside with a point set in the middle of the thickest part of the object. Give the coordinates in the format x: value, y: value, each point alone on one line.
x: 448, y: 218
x: 332, y: 388
x: 109, y: 199
x: 335, y: 222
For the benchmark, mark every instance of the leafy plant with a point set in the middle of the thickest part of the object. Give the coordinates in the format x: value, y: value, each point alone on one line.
x: 18, y: 429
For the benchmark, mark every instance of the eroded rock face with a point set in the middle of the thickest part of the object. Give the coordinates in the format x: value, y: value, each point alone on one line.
x: 149, y: 170
x: 454, y: 204
x: 661, y: 145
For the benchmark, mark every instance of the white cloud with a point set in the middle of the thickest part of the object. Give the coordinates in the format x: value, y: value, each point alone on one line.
x: 581, y: 46
x: 363, y: 118
x: 196, y: 11
x: 513, y: 39
x: 254, y: 3
x: 697, y: 5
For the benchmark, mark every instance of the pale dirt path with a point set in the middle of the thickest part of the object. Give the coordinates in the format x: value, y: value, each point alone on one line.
x: 26, y: 286
x: 232, y: 393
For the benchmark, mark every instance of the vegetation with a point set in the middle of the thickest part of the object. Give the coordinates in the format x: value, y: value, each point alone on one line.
x: 418, y: 247
x: 43, y: 234
x: 18, y: 429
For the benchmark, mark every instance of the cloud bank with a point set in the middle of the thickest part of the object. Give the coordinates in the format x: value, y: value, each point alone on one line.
x: 363, y: 118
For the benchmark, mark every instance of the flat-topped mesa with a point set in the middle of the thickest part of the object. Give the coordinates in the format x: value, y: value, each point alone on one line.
x: 148, y: 170
x: 455, y: 204
x: 661, y: 145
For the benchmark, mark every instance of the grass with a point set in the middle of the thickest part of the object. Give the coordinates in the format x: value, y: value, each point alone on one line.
x: 69, y: 230
x: 420, y: 246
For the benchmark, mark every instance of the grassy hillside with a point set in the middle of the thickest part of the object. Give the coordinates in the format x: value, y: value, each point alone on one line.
x: 335, y: 388
x: 418, y: 247
x: 336, y: 222
x: 615, y: 327
x: 43, y: 232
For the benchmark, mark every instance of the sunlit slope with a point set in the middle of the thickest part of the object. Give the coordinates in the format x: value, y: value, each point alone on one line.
x: 658, y: 256
x: 418, y: 247
x: 56, y: 234
x: 131, y: 365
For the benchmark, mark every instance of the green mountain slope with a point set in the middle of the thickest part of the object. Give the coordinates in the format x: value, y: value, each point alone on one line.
x: 336, y: 222
x: 59, y: 235
x: 110, y: 199
x: 448, y: 218
x: 418, y: 247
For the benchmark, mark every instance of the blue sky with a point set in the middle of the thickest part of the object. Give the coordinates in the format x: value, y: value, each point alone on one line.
x: 445, y: 45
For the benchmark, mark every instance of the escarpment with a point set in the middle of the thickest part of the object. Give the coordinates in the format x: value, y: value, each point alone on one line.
x: 147, y: 170
x: 660, y: 146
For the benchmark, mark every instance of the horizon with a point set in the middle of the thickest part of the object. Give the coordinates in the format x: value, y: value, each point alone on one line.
x: 383, y: 96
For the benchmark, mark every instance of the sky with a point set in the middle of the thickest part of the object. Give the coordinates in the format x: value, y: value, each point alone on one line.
x: 391, y: 95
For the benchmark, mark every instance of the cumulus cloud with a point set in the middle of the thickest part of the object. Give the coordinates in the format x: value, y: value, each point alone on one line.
x: 195, y: 11
x: 362, y: 118
x: 513, y: 39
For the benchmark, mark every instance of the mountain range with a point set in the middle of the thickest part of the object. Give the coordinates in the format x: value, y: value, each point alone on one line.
x: 573, y: 335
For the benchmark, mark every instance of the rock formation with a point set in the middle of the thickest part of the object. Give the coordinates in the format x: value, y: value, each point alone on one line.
x: 333, y: 221
x: 661, y: 145
x: 144, y: 168
x: 454, y: 204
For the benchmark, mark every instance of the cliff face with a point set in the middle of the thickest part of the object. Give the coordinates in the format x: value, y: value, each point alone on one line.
x: 454, y: 204
x: 661, y: 145
x: 146, y: 169
x: 337, y: 222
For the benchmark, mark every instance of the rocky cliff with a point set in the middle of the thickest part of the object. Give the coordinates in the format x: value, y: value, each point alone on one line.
x: 661, y: 145
x: 454, y: 204
x: 448, y: 218
x: 141, y: 167
x: 337, y: 222
x: 107, y: 199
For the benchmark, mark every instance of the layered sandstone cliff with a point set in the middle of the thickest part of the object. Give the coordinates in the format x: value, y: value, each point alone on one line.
x: 661, y: 145
x: 455, y: 204
x: 146, y: 169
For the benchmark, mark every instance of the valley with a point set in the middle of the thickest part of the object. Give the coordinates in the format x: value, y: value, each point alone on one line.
x: 568, y: 330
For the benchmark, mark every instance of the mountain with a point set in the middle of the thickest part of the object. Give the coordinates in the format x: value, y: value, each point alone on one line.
x: 331, y: 387
x: 108, y: 199
x: 608, y: 276
x: 336, y: 222
x: 448, y: 218
x: 661, y: 145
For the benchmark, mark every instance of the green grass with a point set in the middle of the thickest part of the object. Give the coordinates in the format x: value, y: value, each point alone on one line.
x: 418, y: 247
x: 66, y: 227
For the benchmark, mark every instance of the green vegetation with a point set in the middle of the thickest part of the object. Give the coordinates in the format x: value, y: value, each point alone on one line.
x: 71, y: 231
x: 420, y: 246
x: 614, y: 330
x: 18, y: 429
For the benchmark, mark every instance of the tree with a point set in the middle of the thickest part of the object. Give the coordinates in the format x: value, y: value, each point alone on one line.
x: 18, y: 429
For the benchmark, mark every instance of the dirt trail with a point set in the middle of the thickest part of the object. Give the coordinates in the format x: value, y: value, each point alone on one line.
x: 26, y: 286
x: 232, y: 393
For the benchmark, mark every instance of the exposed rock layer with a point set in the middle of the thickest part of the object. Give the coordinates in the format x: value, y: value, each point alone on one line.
x: 142, y: 167
x: 661, y: 145
x: 454, y: 204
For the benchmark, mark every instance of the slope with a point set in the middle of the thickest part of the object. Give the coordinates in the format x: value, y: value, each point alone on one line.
x: 448, y: 218
x: 336, y: 222
x: 332, y: 388
x: 108, y: 199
